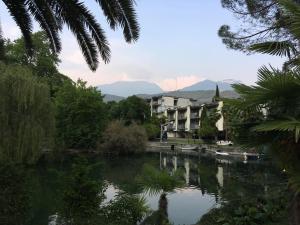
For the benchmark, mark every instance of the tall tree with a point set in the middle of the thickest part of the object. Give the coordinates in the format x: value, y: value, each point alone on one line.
x: 276, y: 98
x: 80, y: 115
x: 53, y: 14
x: 27, y: 115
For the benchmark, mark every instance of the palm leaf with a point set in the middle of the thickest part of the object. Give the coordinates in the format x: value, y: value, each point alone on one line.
x: 43, y: 14
x: 287, y: 125
x: 278, y: 48
x: 21, y: 16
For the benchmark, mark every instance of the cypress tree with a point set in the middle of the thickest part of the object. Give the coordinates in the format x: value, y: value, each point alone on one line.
x: 217, y: 92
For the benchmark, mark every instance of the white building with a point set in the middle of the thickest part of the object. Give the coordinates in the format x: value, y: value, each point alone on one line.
x: 182, y: 114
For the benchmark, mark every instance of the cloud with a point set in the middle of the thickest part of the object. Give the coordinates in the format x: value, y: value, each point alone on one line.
x: 171, y: 84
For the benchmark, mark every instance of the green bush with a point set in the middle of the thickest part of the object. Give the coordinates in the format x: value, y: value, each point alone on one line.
x: 152, y: 130
x: 121, y: 140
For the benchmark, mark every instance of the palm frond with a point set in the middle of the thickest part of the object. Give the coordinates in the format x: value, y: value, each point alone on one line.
x: 122, y: 13
x: 19, y: 13
x: 97, y: 33
x: 43, y: 14
x: 76, y: 23
x: 287, y: 125
x: 127, y: 20
x: 109, y: 8
x: 277, y: 48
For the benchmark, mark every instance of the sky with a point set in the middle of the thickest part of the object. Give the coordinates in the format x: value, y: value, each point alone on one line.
x: 178, y: 46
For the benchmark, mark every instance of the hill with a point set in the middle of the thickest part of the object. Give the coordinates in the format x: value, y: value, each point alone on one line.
x: 211, y: 85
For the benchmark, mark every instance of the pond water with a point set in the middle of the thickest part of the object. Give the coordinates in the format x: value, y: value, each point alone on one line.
x: 207, y: 183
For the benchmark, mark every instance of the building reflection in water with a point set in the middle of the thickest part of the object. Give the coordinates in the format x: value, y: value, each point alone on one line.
x: 220, y: 176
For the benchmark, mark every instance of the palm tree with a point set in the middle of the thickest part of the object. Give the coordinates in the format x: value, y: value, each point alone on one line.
x: 276, y: 97
x: 53, y: 14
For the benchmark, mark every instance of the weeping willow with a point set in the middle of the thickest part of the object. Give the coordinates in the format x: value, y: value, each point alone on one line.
x: 26, y: 115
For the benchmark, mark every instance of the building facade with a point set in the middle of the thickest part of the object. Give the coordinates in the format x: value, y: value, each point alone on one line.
x: 182, y: 114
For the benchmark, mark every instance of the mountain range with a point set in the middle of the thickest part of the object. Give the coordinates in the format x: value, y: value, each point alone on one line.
x: 127, y: 88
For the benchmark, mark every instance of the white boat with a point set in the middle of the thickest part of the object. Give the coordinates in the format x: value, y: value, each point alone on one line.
x: 189, y: 147
x: 224, y: 143
x: 219, y: 152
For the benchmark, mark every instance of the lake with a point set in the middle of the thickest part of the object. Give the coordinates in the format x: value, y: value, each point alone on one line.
x: 207, y: 183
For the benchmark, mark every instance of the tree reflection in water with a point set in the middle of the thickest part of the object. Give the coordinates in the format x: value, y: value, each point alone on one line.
x: 14, y: 195
x: 161, y: 182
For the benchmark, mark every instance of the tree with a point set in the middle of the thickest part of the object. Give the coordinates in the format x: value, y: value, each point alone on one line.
x: 43, y: 62
x: 276, y: 99
x: 27, y: 115
x: 216, y: 98
x: 155, y: 182
x: 267, y: 27
x: 52, y: 15
x: 208, y: 122
x: 80, y: 116
x: 131, y: 110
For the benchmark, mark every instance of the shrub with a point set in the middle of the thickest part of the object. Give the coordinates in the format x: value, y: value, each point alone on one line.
x: 121, y: 140
x: 152, y: 130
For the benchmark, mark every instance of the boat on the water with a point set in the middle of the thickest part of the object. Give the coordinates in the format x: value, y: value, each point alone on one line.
x: 224, y: 143
x: 220, y: 152
x: 189, y: 147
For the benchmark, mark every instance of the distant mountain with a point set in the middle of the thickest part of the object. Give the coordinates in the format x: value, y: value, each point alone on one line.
x: 224, y: 85
x: 112, y: 98
x: 128, y: 88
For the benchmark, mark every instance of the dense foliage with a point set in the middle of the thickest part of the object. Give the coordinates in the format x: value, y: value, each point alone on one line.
x: 268, y: 210
x: 119, y: 139
x: 80, y: 116
x: 131, y: 110
x: 54, y: 14
x: 14, y: 197
x: 26, y: 115
x: 43, y: 62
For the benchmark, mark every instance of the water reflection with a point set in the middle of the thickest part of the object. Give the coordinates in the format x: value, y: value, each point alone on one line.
x: 39, y: 196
